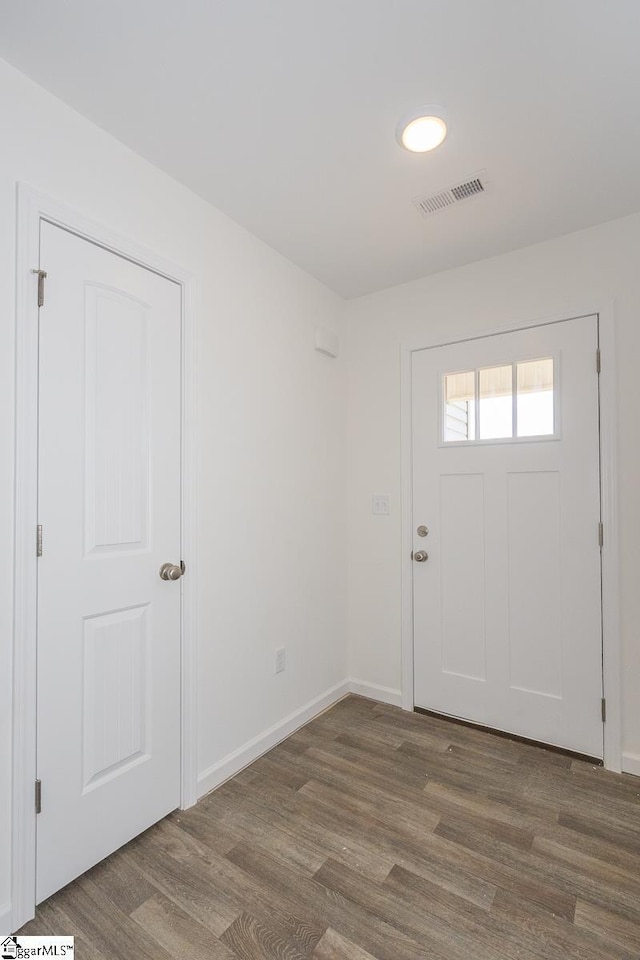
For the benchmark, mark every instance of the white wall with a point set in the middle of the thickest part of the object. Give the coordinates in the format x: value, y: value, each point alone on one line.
x: 592, y: 267
x: 271, y: 429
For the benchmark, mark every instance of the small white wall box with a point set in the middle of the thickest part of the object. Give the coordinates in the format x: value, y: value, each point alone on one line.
x: 327, y: 342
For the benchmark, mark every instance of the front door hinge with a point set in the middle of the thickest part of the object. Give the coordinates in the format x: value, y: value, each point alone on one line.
x: 598, y: 360
x: 38, y: 796
x: 603, y: 707
x: 41, y: 278
x: 39, y: 540
x: 601, y: 533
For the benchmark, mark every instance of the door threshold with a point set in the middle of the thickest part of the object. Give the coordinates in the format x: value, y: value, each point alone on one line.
x: 596, y: 761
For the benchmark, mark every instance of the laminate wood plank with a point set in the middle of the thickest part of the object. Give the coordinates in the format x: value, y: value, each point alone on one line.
x: 262, y: 820
x: 397, y: 818
x: 491, y: 936
x: 609, y: 925
x: 187, y: 884
x: 392, y: 765
x: 595, y: 878
x: 123, y: 884
x: 447, y: 798
x: 370, y: 856
x: 335, y: 947
x: 98, y: 921
x: 252, y: 940
x: 350, y: 776
x: 327, y: 763
x: 292, y: 745
x: 598, y: 852
x: 534, y: 869
x: 557, y: 936
x: 473, y: 738
x: 358, y: 923
x: 575, y: 796
x: 371, y: 738
x: 178, y: 933
x: 625, y: 838
x: 224, y: 883
x: 468, y: 771
x: 273, y: 833
x: 290, y: 777
x: 429, y: 921
x: 51, y: 920
x: 353, y: 818
x: 198, y: 823
x: 484, y: 830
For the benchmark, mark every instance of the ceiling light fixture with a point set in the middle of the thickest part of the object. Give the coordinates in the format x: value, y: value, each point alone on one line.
x: 422, y: 130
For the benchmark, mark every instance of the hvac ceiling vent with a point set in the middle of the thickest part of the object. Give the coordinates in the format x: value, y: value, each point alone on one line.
x: 452, y: 196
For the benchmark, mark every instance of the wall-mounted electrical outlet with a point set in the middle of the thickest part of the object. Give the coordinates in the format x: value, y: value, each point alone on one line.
x: 281, y: 659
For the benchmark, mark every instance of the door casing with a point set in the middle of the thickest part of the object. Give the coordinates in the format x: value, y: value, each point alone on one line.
x: 32, y: 208
x: 612, y: 656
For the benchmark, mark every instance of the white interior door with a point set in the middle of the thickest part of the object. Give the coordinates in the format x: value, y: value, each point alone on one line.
x: 108, y: 751
x: 507, y: 607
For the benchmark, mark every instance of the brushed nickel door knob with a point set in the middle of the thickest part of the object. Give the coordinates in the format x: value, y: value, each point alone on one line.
x: 420, y: 556
x: 170, y: 571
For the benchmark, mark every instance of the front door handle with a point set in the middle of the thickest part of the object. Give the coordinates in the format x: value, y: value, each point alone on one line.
x: 420, y: 556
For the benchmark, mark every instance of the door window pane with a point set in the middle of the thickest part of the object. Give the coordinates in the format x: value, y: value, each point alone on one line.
x: 496, y: 402
x: 535, y: 393
x: 459, y: 406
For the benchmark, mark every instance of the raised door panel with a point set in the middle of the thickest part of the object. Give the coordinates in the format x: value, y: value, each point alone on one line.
x: 116, y: 723
x: 462, y: 559
x: 535, y: 582
x: 116, y: 422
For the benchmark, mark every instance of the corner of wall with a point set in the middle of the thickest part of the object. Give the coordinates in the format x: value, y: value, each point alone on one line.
x: 236, y: 761
x: 374, y: 691
x: 631, y: 763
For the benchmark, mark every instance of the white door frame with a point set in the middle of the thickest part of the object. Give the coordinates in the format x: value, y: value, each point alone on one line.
x: 32, y: 208
x: 612, y: 657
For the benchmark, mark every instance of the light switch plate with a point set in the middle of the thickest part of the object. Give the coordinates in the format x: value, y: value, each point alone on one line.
x: 380, y: 506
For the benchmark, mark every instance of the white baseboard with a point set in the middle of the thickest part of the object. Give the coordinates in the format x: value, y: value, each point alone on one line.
x: 236, y: 761
x: 631, y: 763
x: 374, y: 692
x: 5, y: 920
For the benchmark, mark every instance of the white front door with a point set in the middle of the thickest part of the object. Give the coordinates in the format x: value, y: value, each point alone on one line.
x: 507, y: 606
x: 108, y: 741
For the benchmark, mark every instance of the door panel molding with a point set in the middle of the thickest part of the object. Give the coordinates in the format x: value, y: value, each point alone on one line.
x: 612, y: 670
x: 32, y: 208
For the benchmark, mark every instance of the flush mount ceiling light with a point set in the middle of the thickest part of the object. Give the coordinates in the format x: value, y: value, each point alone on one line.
x: 422, y: 130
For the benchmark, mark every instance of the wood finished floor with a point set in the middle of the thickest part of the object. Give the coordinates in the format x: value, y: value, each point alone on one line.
x: 374, y: 833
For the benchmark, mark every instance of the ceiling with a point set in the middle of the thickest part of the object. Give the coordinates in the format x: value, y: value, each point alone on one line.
x: 282, y: 113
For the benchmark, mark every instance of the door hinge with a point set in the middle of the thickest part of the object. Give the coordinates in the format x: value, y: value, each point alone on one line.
x: 601, y: 533
x: 38, y: 796
x: 41, y: 278
x: 598, y: 359
x: 603, y: 707
x: 39, y: 540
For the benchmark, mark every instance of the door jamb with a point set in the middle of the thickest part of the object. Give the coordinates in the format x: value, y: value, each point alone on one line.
x: 611, y: 640
x: 32, y: 208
